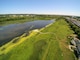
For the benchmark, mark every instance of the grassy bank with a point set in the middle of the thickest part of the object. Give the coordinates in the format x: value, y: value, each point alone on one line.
x: 50, y: 43
x: 21, y: 18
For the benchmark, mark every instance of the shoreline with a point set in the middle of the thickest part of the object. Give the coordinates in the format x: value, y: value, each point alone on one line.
x: 18, y: 40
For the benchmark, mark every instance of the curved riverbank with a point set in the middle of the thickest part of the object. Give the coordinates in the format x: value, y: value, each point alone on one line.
x: 18, y: 40
x: 9, y: 32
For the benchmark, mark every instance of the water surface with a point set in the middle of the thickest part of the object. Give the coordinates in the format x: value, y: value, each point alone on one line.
x: 7, y: 33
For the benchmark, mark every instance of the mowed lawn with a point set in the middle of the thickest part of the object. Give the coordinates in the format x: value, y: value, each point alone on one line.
x: 51, y: 44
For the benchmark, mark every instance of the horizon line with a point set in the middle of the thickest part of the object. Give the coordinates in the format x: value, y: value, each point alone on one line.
x: 39, y: 14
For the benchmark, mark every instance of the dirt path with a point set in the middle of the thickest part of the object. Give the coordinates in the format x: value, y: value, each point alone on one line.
x: 46, y: 52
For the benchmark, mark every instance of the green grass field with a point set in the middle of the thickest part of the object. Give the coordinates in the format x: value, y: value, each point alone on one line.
x: 51, y: 44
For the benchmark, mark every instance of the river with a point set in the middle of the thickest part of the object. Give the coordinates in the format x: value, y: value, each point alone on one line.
x: 7, y: 33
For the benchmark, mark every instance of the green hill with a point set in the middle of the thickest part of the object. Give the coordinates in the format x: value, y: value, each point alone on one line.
x: 51, y: 43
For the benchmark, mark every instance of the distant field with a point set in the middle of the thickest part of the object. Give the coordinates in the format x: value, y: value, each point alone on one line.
x: 11, y: 19
x: 50, y: 44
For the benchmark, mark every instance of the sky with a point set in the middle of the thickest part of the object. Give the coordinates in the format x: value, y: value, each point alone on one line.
x: 61, y: 7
